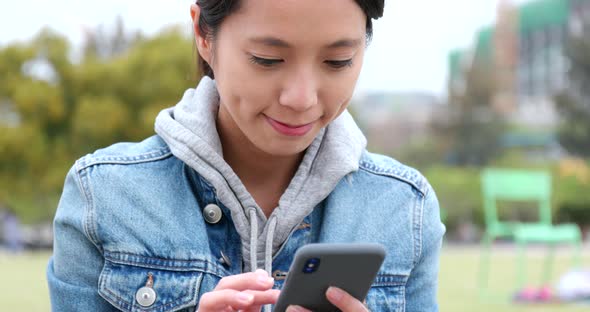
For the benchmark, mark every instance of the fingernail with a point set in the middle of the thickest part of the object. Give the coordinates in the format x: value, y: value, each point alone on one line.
x: 335, y: 293
x: 245, y: 298
x: 261, y: 272
x: 265, y: 280
x: 263, y: 277
x: 294, y: 308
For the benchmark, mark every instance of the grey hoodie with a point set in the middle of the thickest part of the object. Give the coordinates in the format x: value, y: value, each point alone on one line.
x: 189, y: 128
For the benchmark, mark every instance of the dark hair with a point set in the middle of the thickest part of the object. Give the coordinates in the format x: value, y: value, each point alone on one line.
x: 213, y: 12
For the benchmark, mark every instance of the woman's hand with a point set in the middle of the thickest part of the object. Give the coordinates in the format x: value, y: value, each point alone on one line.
x: 242, y: 292
x: 341, y: 299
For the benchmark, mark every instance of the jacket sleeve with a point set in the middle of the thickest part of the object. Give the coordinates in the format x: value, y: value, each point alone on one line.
x: 76, y: 263
x: 422, y: 284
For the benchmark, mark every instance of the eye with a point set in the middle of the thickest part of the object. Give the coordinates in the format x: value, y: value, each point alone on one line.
x: 264, y: 61
x: 340, y: 63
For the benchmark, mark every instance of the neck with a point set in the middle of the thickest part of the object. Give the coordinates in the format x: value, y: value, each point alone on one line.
x: 265, y: 176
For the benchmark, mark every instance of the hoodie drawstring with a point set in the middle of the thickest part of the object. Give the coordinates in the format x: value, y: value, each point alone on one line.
x: 253, y: 238
x: 272, y: 224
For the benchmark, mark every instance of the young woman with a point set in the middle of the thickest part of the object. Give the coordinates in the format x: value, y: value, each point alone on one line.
x: 260, y: 159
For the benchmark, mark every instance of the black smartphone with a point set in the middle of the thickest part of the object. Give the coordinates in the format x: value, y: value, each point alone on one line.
x: 351, y: 267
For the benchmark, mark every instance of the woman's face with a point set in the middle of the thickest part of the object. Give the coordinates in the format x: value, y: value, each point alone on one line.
x: 285, y: 69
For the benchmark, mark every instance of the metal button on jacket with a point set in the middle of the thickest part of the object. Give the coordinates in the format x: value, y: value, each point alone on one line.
x: 225, y: 260
x: 212, y: 213
x: 145, y: 296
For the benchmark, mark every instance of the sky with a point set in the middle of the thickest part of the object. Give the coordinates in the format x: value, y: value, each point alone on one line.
x: 408, y: 53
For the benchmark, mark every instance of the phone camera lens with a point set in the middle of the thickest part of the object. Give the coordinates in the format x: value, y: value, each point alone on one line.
x: 311, y: 265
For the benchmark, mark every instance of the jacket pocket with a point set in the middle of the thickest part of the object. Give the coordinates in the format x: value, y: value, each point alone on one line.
x: 387, y: 293
x: 174, y: 288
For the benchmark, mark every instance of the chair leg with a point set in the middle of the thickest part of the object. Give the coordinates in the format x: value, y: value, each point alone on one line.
x: 548, y: 266
x: 520, y: 265
x: 577, y: 260
x: 484, y: 263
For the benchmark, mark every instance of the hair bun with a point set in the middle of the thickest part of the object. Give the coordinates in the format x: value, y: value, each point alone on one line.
x: 373, y: 8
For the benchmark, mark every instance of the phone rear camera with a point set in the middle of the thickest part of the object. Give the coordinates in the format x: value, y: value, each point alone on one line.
x: 311, y: 265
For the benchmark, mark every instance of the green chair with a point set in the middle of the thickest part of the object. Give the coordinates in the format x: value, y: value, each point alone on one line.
x: 529, y: 186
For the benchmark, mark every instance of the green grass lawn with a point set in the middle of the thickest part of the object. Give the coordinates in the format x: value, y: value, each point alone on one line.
x: 458, y: 290
x: 23, y: 286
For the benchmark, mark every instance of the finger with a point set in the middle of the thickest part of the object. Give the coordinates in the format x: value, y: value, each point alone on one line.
x: 264, y: 297
x: 294, y: 308
x: 258, y: 280
x: 222, y: 299
x: 344, y: 301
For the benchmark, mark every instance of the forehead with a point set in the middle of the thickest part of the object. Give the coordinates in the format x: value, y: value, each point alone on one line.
x: 298, y: 20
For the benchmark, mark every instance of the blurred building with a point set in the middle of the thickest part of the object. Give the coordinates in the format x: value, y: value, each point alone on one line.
x: 525, y: 52
x: 391, y: 121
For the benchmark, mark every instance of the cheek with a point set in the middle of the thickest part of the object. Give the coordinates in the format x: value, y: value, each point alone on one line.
x: 337, y: 93
x: 231, y: 71
x: 244, y: 92
x: 243, y: 102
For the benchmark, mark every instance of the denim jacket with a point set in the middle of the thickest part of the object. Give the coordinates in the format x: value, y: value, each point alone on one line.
x: 131, y: 217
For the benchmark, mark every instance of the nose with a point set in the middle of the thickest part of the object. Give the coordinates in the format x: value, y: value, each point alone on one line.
x: 300, y: 91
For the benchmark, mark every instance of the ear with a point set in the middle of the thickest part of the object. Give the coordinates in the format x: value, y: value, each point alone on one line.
x: 203, y: 44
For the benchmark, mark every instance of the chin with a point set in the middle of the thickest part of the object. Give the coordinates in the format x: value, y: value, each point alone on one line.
x: 284, y: 149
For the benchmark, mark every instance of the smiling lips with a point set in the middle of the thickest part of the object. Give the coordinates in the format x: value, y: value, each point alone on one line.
x: 289, y: 130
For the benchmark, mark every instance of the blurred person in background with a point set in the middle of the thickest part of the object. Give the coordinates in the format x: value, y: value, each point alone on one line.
x: 11, y: 230
x: 258, y: 160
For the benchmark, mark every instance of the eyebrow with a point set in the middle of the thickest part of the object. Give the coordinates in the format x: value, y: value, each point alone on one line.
x: 345, y: 43
x: 278, y: 43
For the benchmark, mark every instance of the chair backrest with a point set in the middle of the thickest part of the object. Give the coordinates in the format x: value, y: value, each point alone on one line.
x: 516, y: 185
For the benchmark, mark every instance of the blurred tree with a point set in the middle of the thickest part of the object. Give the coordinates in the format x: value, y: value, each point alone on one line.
x: 103, y: 45
x: 473, y: 128
x: 54, y: 110
x: 574, y: 102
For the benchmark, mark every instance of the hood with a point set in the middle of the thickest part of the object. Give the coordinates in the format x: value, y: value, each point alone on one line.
x: 189, y: 128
